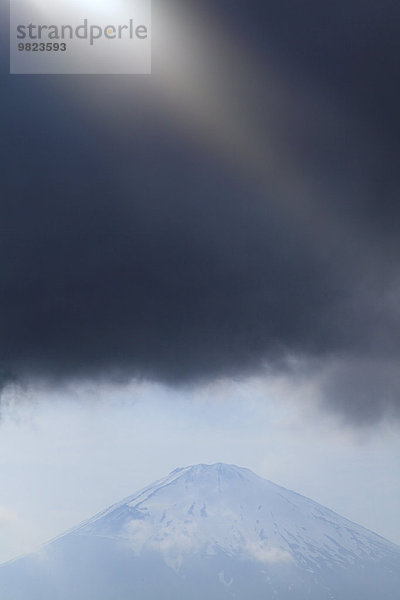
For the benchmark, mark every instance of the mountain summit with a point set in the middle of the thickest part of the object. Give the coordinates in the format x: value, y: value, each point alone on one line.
x: 216, y: 531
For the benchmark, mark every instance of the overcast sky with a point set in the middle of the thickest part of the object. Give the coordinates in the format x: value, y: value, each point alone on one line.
x: 232, y: 218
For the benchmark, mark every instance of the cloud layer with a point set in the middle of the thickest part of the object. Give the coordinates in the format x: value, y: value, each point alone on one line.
x: 141, y: 251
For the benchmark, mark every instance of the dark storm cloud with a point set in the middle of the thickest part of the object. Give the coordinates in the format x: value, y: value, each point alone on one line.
x: 141, y: 254
x: 364, y: 390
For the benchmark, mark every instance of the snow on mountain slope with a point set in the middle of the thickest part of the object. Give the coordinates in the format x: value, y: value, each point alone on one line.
x: 221, y: 507
x: 211, y: 530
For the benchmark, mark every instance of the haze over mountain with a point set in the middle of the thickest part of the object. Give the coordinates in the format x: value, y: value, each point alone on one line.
x: 216, y: 531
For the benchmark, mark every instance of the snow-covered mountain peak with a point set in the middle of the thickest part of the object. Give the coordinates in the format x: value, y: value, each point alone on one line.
x: 202, y: 473
x: 215, y: 531
x: 206, y: 509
